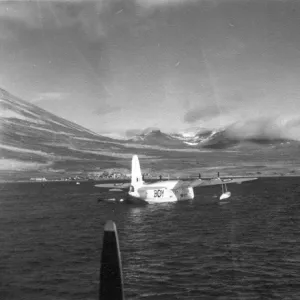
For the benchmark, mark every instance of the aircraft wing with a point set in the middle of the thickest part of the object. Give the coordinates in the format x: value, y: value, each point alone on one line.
x: 215, y: 181
x: 125, y: 185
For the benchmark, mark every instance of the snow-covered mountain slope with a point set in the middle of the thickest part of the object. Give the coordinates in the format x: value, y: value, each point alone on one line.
x: 217, y: 139
x: 225, y: 138
x: 195, y: 138
x: 34, y: 139
x: 158, y: 138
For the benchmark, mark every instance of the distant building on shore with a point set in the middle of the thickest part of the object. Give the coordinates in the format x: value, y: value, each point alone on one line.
x: 38, y: 179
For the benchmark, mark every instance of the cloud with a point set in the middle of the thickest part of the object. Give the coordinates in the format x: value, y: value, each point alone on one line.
x: 146, y: 7
x: 92, y: 18
x: 156, y: 4
x: 133, y: 132
x: 230, y: 48
x: 106, y: 109
x: 49, y: 96
x: 43, y: 15
x: 6, y: 34
x: 204, y: 113
x: 273, y: 127
x: 160, y: 3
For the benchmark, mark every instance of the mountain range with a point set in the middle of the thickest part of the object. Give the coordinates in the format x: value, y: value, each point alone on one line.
x: 209, y: 139
x: 36, y: 142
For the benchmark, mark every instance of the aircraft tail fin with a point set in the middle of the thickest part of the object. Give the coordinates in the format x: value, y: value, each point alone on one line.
x: 136, y: 174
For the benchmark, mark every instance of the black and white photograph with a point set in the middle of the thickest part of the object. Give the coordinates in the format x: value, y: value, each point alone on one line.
x: 149, y: 149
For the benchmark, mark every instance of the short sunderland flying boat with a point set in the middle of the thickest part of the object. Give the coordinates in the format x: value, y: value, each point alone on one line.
x: 165, y: 191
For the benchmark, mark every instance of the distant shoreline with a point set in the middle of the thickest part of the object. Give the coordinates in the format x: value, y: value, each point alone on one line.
x: 152, y: 179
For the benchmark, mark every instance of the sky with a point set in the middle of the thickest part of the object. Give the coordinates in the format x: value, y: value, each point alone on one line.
x: 117, y: 66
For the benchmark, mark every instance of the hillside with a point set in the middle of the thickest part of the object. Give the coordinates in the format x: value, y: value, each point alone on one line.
x: 35, y: 142
x: 158, y: 138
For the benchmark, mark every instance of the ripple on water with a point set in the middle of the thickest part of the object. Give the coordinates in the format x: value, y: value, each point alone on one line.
x: 246, y: 249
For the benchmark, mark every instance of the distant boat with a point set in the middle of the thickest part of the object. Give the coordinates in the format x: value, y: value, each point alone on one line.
x: 77, y: 182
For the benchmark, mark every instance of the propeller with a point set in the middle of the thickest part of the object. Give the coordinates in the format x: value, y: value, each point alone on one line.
x: 111, y: 275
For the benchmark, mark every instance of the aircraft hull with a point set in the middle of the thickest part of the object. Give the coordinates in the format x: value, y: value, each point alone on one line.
x: 135, y: 200
x: 162, y: 195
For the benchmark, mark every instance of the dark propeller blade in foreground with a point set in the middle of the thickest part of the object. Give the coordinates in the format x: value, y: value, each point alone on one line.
x: 111, y: 278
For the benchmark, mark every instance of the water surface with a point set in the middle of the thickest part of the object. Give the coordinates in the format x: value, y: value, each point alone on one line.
x: 248, y: 248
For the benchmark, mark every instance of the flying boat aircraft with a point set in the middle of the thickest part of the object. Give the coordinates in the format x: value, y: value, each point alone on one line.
x: 165, y: 191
